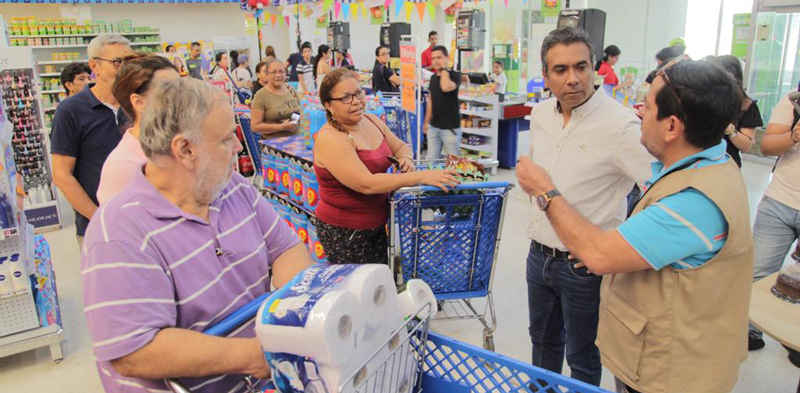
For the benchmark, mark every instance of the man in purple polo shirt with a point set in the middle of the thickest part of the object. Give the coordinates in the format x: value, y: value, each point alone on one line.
x: 186, y: 244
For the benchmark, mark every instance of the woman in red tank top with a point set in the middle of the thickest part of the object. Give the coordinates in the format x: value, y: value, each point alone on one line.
x: 351, y: 160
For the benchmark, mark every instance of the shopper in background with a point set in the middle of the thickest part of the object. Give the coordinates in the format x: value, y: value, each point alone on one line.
x: 292, y: 62
x: 776, y: 226
x: 383, y: 78
x: 220, y: 69
x: 443, y: 115
x: 269, y: 53
x: 132, y: 90
x: 589, y: 144
x: 74, y: 77
x: 234, y: 59
x: 663, y: 57
x: 86, y: 129
x: 186, y: 244
x: 498, y: 77
x: 433, y: 40
x: 242, y: 74
x: 351, y: 158
x: 677, y: 288
x: 343, y: 59
x: 194, y: 63
x: 321, y: 64
x: 272, y: 107
x: 605, y: 66
x: 305, y: 73
x: 262, y: 76
x: 177, y: 60
x: 740, y: 133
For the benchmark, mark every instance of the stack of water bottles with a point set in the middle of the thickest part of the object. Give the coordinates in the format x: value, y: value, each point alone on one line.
x: 342, y: 329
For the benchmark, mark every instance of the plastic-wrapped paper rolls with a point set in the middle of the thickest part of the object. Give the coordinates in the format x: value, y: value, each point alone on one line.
x: 332, y: 333
x: 414, y: 297
x: 374, y: 286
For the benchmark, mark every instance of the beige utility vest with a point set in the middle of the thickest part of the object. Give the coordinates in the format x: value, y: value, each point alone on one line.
x: 684, y: 331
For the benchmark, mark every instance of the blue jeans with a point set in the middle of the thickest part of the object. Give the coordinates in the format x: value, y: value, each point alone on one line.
x: 441, y: 139
x: 776, y: 228
x: 563, y: 306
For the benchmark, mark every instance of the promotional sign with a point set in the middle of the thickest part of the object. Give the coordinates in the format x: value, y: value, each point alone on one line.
x: 551, y: 8
x: 741, y: 35
x: 408, y: 73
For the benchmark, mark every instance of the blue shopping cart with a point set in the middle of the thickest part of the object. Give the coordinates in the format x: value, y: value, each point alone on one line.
x: 439, y: 364
x: 450, y: 241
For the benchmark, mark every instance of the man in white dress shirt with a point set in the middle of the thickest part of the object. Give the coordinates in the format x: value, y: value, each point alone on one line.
x: 589, y: 144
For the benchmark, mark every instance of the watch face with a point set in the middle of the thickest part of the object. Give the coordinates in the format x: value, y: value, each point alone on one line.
x: 541, y: 200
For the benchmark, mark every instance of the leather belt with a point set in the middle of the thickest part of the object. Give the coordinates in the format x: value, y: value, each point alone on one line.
x: 551, y: 252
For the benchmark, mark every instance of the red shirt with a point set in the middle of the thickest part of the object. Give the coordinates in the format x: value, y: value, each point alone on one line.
x: 608, y: 71
x: 426, y: 57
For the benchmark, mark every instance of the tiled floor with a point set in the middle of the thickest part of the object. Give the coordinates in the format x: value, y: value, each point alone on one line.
x: 767, y: 370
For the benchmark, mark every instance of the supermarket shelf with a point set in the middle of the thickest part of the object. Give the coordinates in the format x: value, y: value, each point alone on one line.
x: 40, y: 205
x: 59, y: 91
x: 50, y: 74
x: 50, y: 336
x: 485, y: 148
x: 80, y: 35
x: 527, y: 117
x: 489, y: 100
x: 145, y: 43
x: 478, y: 131
x: 486, y: 114
x: 48, y: 62
x: 58, y: 46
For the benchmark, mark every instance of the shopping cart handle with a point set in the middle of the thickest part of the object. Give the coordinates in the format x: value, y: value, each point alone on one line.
x: 237, y: 318
x: 460, y: 187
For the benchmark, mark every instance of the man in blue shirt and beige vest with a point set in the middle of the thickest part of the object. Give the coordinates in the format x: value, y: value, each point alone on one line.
x: 677, y: 273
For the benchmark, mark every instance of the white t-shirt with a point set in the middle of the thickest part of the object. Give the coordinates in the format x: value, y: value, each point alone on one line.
x: 785, y: 184
x: 501, y: 82
x: 594, y: 161
x: 241, y: 76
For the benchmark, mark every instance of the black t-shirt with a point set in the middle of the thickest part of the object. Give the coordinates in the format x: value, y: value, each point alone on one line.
x: 294, y: 60
x: 750, y: 118
x: 380, y: 79
x: 446, y: 110
x: 85, y: 128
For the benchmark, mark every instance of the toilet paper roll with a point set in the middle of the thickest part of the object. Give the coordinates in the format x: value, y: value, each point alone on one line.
x: 391, y: 370
x: 19, y: 275
x: 374, y: 286
x: 6, y: 285
x: 333, y: 330
x: 414, y: 297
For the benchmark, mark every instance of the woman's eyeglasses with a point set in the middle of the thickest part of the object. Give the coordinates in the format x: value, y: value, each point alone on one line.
x: 348, y: 98
x: 280, y: 72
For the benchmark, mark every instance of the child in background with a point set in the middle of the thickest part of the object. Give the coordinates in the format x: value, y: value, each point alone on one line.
x: 74, y: 77
x: 498, y: 77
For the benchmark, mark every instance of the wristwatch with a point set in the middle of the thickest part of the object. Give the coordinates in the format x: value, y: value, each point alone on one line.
x: 543, y: 199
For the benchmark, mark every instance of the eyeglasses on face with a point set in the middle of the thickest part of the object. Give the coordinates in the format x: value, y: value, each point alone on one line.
x: 117, y: 62
x: 278, y: 72
x: 667, y: 84
x: 348, y: 98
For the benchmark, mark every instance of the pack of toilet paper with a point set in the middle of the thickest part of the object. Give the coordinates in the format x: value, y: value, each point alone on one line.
x: 331, y: 325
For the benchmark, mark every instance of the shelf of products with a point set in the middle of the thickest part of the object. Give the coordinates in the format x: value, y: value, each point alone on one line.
x: 25, y: 111
x: 480, y: 117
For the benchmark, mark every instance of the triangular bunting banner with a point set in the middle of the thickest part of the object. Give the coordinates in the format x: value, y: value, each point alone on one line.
x: 421, y: 10
x: 506, y: 1
x: 409, y: 9
x: 364, y: 10
x: 294, y: 9
x: 346, y: 10
x: 354, y: 8
x: 398, y: 5
x: 386, y: 4
x: 274, y: 19
x: 326, y: 5
x: 286, y: 18
x: 337, y: 8
x: 432, y: 10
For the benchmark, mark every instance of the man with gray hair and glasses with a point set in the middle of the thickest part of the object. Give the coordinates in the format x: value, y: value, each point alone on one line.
x: 86, y: 128
x: 187, y: 243
x: 589, y: 145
